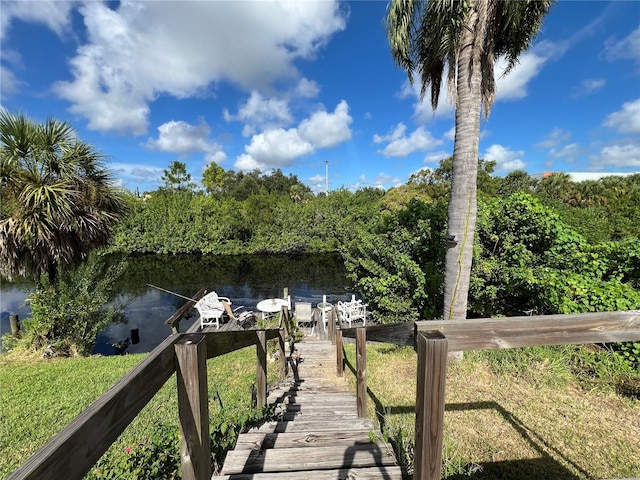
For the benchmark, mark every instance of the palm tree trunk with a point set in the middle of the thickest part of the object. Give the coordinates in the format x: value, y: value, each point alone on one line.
x: 463, y: 205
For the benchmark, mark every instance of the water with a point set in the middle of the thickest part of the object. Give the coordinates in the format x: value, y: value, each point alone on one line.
x: 244, y: 279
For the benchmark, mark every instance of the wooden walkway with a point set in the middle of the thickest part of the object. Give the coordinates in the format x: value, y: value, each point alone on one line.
x: 318, y: 435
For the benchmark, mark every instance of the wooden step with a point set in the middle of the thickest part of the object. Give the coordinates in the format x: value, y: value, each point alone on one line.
x: 314, y: 426
x: 302, y: 458
x: 302, y: 439
x: 382, y: 472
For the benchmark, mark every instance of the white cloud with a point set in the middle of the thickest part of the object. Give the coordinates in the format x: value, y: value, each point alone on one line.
x: 422, y: 110
x: 327, y: 130
x: 626, y: 120
x: 450, y: 134
x: 554, y: 138
x: 627, y: 48
x: 306, y: 88
x: 135, y: 173
x: 622, y: 155
x: 505, y: 158
x: 184, y: 139
x: 145, y: 49
x: 276, y: 148
x: 434, y: 158
x: 568, y: 152
x: 401, y: 145
x: 260, y: 112
x: 513, y: 86
x: 588, y: 87
x: 8, y: 81
x: 52, y: 13
x: 273, y: 149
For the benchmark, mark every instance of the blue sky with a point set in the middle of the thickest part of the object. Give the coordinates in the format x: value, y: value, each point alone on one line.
x: 265, y: 85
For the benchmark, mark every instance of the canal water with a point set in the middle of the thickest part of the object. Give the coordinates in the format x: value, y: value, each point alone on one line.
x: 245, y: 279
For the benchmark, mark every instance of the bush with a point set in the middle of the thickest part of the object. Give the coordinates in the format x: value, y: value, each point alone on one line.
x: 68, y: 313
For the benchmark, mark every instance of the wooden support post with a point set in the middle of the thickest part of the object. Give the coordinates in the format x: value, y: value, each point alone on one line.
x: 14, y: 320
x: 261, y: 373
x: 361, y: 369
x: 331, y: 325
x: 282, y: 357
x: 193, y: 406
x: 432, y: 349
x: 339, y: 357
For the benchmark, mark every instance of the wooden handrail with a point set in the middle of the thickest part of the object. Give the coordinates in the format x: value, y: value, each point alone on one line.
x: 72, y: 453
x: 434, y: 339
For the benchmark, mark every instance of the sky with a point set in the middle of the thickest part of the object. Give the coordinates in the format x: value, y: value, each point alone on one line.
x: 292, y: 86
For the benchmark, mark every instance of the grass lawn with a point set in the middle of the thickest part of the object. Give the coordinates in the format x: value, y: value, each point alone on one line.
x: 40, y: 397
x: 526, y: 414
x: 544, y: 413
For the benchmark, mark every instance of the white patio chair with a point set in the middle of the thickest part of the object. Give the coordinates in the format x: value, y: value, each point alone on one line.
x: 211, y: 309
x: 304, y: 315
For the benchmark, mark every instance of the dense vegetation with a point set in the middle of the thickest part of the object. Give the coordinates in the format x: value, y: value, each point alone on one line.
x: 550, y: 246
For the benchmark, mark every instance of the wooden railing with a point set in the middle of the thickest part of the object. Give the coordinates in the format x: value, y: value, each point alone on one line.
x: 433, y: 340
x: 74, y: 451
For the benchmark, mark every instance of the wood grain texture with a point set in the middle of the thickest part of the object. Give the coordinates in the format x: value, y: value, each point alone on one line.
x: 382, y: 472
x: 339, y: 354
x: 257, y: 440
x: 193, y: 408
x: 261, y: 370
x: 432, y: 372
x: 512, y: 332
x: 361, y: 371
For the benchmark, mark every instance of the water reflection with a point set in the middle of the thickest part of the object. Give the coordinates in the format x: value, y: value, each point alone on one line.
x: 246, y: 280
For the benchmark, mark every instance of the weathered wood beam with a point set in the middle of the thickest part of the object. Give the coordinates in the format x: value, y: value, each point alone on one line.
x: 361, y: 371
x: 221, y: 343
x: 512, y: 332
x: 339, y: 354
x: 193, y: 407
x: 73, y: 451
x: 261, y: 368
x: 430, y: 394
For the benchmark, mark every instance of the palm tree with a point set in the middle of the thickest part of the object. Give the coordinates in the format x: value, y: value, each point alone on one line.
x: 466, y: 37
x: 58, y: 202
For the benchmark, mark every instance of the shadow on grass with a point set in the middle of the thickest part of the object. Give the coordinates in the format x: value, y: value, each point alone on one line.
x: 545, y: 467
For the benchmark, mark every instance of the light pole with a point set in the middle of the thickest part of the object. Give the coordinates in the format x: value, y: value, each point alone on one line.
x: 326, y: 177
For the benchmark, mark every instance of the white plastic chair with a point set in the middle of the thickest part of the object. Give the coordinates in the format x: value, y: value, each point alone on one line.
x: 304, y: 315
x: 211, y: 309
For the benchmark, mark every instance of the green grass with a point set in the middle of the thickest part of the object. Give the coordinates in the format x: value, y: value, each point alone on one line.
x: 539, y: 413
x: 40, y: 397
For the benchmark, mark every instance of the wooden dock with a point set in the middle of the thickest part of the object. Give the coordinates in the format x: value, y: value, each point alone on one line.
x: 318, y: 435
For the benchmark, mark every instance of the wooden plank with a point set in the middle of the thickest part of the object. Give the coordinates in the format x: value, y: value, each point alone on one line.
x: 512, y: 332
x: 193, y: 407
x: 72, y: 452
x: 396, y: 333
x: 361, y: 371
x: 282, y: 357
x: 313, y: 425
x: 221, y: 343
x: 432, y: 372
x: 339, y: 354
x: 302, y: 439
x: 382, y: 472
x: 297, y: 459
x: 261, y: 370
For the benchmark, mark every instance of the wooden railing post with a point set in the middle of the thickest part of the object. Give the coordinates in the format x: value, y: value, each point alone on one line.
x: 193, y: 407
x: 261, y: 373
x: 339, y: 356
x: 432, y: 349
x: 282, y: 355
x: 331, y: 325
x: 361, y: 369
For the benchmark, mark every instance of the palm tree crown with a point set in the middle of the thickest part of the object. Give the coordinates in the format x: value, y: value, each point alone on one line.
x: 425, y: 37
x: 57, y: 201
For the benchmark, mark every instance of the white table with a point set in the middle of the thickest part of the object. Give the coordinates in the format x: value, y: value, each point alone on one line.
x: 271, y: 306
